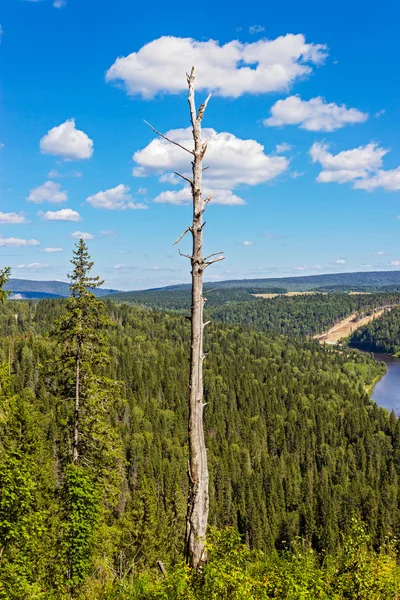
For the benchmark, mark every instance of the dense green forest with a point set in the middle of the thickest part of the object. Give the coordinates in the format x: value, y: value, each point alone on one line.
x: 380, y: 335
x: 295, y: 447
x: 299, y: 315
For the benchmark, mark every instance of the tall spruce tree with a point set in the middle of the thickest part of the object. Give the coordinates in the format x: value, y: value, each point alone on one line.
x: 81, y: 333
x: 88, y: 469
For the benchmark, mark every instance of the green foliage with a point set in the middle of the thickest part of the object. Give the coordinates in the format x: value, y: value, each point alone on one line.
x: 80, y: 505
x: 380, y: 335
x: 4, y: 277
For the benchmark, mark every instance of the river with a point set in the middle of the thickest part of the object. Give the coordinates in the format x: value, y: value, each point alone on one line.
x: 386, y: 392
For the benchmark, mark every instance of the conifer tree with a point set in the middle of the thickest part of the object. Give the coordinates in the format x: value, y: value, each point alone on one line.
x: 80, y: 331
x: 4, y: 277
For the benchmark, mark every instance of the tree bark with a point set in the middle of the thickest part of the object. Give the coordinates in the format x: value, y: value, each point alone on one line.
x: 75, y: 453
x: 198, y: 500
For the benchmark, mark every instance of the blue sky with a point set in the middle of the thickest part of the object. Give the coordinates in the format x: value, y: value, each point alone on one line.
x: 304, y: 151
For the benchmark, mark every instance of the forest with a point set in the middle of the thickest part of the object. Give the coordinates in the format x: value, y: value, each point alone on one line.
x: 380, y: 335
x: 304, y: 467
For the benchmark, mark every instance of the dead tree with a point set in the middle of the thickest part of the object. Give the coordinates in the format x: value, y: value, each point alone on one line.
x: 198, y: 497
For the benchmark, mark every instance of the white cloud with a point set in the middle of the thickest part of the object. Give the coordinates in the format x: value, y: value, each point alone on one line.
x: 245, y: 243
x: 52, y: 250
x: 59, y: 3
x: 314, y: 115
x: 231, y: 70
x: 77, y: 235
x: 340, y: 261
x: 387, y: 180
x: 16, y: 242
x: 296, y: 174
x: 282, y: 148
x: 48, y: 192
x: 118, y: 198
x: 183, y: 196
x: 349, y: 165
x: 395, y: 263
x: 67, y: 142
x: 65, y: 214
x: 256, y: 29
x: 35, y: 265
x: 12, y: 218
x: 108, y: 233
x: 231, y: 160
x: 380, y: 113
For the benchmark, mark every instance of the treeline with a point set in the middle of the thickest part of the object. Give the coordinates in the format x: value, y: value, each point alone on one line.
x: 295, y: 448
x: 380, y: 335
x: 304, y: 315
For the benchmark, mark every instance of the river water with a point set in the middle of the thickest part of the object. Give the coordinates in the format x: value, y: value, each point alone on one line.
x: 386, y: 392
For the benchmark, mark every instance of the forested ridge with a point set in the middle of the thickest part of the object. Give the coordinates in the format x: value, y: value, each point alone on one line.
x: 304, y: 315
x: 380, y: 335
x: 295, y: 445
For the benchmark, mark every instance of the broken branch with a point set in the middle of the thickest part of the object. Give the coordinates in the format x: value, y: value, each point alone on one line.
x: 168, y: 139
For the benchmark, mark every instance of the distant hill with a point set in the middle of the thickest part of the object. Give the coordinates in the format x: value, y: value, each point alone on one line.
x: 369, y: 281
x: 27, y: 289
x: 236, y: 290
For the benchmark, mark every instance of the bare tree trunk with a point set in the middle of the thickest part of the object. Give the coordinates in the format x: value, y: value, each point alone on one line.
x: 75, y: 453
x: 198, y: 498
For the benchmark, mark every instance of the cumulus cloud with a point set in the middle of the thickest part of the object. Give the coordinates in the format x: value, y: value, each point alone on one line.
x: 184, y: 196
x: 340, y: 261
x: 230, y: 70
x: 67, y: 142
x: 16, y: 242
x: 78, y: 235
x: 245, y: 243
x: 349, y: 165
x: 12, y: 218
x: 52, y: 250
x: 387, y: 180
x: 314, y: 115
x: 231, y: 160
x: 395, y: 263
x: 118, y: 198
x: 48, y: 192
x: 65, y: 214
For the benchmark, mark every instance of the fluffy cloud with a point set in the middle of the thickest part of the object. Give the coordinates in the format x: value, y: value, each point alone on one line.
x: 65, y: 214
x: 78, y: 235
x: 231, y: 160
x: 16, y: 242
x: 183, y: 196
x: 12, y: 218
x: 48, y: 192
x: 387, y: 180
x: 231, y: 70
x: 395, y: 263
x: 245, y: 243
x: 118, y: 198
x: 52, y: 250
x: 67, y: 142
x: 349, y: 165
x: 340, y: 261
x: 314, y: 115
